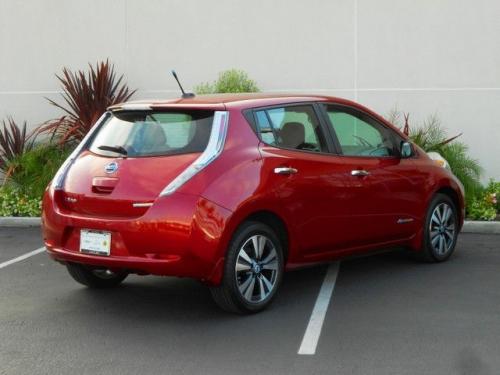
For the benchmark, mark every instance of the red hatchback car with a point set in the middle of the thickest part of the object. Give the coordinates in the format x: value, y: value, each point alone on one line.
x: 233, y: 190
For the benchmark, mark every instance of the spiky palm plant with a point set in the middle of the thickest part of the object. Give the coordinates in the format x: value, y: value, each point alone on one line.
x: 86, y: 95
x: 15, y: 140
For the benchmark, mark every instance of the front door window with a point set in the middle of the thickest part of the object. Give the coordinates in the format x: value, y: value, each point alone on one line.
x: 360, y: 135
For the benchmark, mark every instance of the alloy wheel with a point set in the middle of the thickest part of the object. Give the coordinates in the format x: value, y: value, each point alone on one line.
x: 257, y: 268
x: 442, y: 228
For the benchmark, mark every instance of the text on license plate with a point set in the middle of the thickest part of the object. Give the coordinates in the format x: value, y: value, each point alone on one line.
x: 95, y: 242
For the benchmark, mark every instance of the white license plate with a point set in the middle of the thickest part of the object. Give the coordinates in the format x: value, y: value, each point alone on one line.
x: 95, y: 242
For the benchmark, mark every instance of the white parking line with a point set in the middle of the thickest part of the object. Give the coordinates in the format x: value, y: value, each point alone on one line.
x: 22, y: 257
x: 313, y: 330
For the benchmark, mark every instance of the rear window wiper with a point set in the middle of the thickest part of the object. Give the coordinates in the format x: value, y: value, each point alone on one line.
x: 118, y: 149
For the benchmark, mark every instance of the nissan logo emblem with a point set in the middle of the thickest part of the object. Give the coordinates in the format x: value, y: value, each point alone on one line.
x: 111, y: 167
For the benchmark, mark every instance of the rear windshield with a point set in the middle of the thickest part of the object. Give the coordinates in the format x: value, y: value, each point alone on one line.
x: 149, y: 133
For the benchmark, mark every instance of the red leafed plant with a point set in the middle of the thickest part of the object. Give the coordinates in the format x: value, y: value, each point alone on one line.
x: 86, y: 96
x: 15, y: 140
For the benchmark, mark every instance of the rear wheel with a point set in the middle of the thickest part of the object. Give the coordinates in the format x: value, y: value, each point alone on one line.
x: 252, y: 271
x: 441, y: 230
x: 94, y: 277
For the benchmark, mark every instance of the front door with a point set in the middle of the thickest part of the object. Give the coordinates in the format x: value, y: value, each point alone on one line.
x: 384, y: 208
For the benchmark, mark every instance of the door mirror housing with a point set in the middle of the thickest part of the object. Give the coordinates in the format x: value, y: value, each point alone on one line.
x: 406, y: 150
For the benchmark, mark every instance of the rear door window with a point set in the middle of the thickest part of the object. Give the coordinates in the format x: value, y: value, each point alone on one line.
x: 292, y: 127
x: 148, y: 133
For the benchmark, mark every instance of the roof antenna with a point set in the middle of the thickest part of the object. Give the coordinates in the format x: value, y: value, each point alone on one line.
x: 184, y: 94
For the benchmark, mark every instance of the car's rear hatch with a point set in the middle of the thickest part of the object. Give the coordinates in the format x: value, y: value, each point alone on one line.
x: 130, y: 160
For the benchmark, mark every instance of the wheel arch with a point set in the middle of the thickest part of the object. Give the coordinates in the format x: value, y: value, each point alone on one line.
x: 274, y: 221
x: 264, y: 215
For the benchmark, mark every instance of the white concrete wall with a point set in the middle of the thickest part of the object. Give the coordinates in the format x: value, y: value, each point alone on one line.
x: 425, y: 57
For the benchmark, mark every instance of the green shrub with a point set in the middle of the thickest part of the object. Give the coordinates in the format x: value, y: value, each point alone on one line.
x: 493, y: 190
x: 32, y: 171
x: 229, y: 81
x: 16, y: 203
x: 482, y: 207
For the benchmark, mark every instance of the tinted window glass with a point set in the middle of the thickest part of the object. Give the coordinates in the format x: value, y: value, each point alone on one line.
x: 295, y: 127
x: 143, y: 133
x: 360, y: 135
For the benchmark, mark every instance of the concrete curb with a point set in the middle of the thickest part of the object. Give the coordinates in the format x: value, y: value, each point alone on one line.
x: 20, y: 221
x: 479, y: 227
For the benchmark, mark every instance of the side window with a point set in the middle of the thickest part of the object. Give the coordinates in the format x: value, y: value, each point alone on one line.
x: 295, y: 127
x: 360, y: 135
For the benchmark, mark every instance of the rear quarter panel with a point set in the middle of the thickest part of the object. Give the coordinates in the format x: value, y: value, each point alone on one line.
x: 236, y: 180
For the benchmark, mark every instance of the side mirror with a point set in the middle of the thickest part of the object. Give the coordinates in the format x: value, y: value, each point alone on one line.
x: 406, y: 150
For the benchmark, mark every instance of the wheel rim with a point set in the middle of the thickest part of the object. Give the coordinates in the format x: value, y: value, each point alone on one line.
x: 257, y: 268
x: 442, y: 229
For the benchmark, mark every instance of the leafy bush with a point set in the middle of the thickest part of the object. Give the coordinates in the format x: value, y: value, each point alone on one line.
x: 16, y: 203
x: 493, y: 190
x: 483, y: 207
x: 32, y: 171
x: 229, y: 81
x: 14, y: 141
x: 432, y: 136
x: 86, y: 96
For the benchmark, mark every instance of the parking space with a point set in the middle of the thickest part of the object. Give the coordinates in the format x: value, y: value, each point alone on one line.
x: 17, y: 241
x: 388, y: 315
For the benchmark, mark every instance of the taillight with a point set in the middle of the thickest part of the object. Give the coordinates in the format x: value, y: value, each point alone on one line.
x: 58, y: 180
x: 213, y: 150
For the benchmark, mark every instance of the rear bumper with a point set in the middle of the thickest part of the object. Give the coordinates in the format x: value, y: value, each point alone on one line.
x: 171, y: 265
x: 180, y: 235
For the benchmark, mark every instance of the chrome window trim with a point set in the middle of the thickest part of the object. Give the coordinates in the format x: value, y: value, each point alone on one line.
x: 213, y: 150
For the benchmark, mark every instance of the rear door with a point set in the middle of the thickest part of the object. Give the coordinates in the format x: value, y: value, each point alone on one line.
x: 384, y: 206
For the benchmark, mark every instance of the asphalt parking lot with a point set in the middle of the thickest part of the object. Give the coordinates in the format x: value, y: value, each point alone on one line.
x: 388, y: 315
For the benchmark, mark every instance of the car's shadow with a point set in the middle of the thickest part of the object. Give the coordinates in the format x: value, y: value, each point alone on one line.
x: 184, y: 300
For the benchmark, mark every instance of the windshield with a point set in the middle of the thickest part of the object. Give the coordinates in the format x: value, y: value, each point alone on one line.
x: 149, y: 133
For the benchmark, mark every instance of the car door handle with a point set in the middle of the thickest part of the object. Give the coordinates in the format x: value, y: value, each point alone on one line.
x: 359, y: 173
x: 285, y: 170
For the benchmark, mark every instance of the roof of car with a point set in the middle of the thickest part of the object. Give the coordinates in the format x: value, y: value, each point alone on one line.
x: 223, y: 101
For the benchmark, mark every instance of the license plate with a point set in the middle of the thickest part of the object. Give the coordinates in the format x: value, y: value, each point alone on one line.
x: 95, y: 242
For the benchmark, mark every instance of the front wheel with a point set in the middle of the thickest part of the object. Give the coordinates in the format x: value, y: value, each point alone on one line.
x: 94, y: 277
x: 441, y: 230
x: 252, y: 271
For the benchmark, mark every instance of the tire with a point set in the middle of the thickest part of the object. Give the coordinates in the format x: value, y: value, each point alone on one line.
x: 440, y: 237
x: 252, y: 287
x: 93, y: 277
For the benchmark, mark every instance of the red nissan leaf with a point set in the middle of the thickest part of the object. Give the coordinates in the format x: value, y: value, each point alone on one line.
x: 233, y: 190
